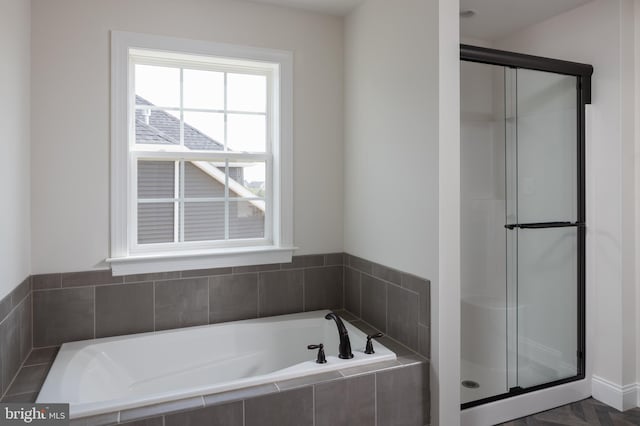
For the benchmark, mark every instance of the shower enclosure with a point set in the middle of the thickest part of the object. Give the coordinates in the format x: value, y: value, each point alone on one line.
x: 522, y: 223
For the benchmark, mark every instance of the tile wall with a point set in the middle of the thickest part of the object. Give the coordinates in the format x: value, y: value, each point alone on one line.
x: 83, y: 305
x: 392, y: 301
x: 15, y: 332
x: 86, y: 305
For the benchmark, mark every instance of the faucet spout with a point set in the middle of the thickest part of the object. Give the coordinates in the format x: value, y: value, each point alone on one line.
x: 345, y: 343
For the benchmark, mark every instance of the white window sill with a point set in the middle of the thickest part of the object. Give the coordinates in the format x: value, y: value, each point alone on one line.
x: 176, y: 261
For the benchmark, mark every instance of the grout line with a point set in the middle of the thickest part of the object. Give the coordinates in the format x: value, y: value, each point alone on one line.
x: 5, y: 391
x: 375, y: 398
x: 94, y: 312
x: 18, y: 394
x: 258, y: 276
x: 153, y: 283
x: 344, y: 288
x: 208, y: 301
x: 32, y: 320
x: 36, y: 365
x: 304, y: 285
x: 46, y: 347
x: 244, y: 417
x: 15, y: 307
x: 360, y: 294
x: 313, y: 404
x: 386, y: 308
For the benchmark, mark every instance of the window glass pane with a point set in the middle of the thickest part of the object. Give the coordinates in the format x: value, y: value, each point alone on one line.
x: 159, y: 86
x: 203, y: 89
x: 246, y: 133
x: 156, y: 179
x: 204, y: 179
x: 204, y: 221
x: 246, y: 92
x: 246, y: 219
x: 157, y: 127
x: 204, y: 131
x: 155, y: 223
x: 247, y: 179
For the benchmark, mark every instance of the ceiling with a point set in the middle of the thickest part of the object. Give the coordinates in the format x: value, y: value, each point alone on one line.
x: 332, y: 7
x: 496, y: 19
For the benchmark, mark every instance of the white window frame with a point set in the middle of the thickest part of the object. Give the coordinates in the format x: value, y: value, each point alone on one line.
x: 277, y: 247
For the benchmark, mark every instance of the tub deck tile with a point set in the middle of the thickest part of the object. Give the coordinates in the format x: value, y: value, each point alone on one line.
x: 22, y: 397
x: 220, y: 415
x: 156, y: 421
x: 411, y: 359
x: 99, y: 420
x: 161, y: 409
x: 308, y: 380
x: 289, y: 408
x: 42, y: 356
x: 29, y: 379
x: 370, y: 368
x: 240, y: 394
x: 346, y: 402
x: 403, y: 396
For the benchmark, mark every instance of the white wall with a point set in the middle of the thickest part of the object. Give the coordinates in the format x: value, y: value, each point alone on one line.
x: 598, y: 33
x: 70, y: 113
x: 635, y: 157
x: 15, y: 237
x: 401, y: 122
x: 391, y: 162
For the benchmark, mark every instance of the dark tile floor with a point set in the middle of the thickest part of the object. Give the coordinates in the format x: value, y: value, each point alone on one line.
x: 582, y: 413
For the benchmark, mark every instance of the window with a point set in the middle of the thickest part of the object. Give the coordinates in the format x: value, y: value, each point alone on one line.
x: 201, y: 155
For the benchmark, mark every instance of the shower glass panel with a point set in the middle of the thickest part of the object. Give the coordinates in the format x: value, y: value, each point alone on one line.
x: 483, y: 256
x: 520, y: 230
x: 546, y: 144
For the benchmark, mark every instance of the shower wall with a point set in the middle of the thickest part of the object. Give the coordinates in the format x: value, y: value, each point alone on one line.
x: 483, y: 257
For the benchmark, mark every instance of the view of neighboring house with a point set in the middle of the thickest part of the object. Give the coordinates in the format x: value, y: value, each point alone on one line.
x: 159, y: 222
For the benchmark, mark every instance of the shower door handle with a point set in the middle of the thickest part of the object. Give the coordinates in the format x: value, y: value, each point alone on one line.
x: 544, y: 225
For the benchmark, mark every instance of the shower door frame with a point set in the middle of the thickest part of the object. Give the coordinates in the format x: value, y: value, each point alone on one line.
x: 583, y: 73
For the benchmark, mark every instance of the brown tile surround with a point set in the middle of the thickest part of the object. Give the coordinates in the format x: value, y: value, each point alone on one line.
x: 81, y: 305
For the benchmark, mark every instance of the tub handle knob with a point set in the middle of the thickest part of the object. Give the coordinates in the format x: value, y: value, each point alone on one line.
x: 322, y: 359
x: 369, y: 349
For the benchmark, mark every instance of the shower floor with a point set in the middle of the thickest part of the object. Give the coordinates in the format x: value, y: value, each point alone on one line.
x: 493, y: 381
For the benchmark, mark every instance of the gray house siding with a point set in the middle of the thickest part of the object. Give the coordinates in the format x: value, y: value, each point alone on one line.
x: 203, y: 221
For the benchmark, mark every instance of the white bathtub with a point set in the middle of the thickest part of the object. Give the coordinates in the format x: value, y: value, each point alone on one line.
x: 117, y: 373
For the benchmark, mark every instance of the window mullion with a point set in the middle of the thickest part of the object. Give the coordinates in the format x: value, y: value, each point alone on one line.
x: 226, y: 200
x: 226, y: 145
x: 176, y: 204
x: 226, y: 161
x: 181, y: 200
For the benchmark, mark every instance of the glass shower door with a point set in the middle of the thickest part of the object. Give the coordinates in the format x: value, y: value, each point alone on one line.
x: 543, y: 228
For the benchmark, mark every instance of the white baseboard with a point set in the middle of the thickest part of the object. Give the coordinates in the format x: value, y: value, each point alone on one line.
x: 619, y: 397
